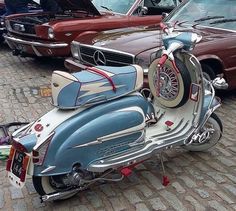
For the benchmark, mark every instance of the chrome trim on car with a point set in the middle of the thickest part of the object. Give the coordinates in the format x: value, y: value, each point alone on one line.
x: 33, y: 43
x: 106, y: 49
x: 111, y: 57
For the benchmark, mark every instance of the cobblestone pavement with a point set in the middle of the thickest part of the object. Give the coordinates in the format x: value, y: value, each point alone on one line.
x: 199, y: 181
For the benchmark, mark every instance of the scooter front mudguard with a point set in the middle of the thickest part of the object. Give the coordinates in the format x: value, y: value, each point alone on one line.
x: 95, y: 133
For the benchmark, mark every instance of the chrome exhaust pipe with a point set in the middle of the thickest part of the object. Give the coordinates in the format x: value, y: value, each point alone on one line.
x: 59, y: 195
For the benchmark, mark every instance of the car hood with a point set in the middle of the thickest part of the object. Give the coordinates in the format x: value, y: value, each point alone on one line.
x: 137, y: 40
x: 130, y: 40
x: 85, y: 5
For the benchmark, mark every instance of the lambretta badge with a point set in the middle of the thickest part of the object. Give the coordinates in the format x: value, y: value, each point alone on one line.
x: 19, y: 27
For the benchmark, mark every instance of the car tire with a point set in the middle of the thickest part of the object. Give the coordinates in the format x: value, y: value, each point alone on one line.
x: 208, y: 72
x: 168, y: 72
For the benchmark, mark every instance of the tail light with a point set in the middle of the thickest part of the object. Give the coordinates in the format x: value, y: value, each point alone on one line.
x: 41, y: 151
x: 18, y: 146
x: 9, y: 161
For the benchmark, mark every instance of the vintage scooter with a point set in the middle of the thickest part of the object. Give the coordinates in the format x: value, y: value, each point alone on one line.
x: 102, y: 126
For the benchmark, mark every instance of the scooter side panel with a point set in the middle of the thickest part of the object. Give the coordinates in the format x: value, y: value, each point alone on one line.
x: 110, y: 123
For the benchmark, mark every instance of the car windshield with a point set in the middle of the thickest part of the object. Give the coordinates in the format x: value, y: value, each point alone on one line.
x: 119, y: 6
x: 214, y: 13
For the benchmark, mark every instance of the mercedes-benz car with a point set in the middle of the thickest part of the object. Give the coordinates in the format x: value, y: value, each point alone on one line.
x: 50, y: 34
x: 215, y: 20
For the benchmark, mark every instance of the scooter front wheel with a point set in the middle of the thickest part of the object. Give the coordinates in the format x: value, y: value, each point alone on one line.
x: 47, y: 185
x: 214, y: 128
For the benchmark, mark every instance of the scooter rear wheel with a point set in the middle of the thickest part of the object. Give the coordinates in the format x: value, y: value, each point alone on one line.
x: 43, y: 186
x: 213, y: 122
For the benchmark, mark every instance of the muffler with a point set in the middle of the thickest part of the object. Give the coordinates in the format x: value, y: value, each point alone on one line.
x: 59, y: 195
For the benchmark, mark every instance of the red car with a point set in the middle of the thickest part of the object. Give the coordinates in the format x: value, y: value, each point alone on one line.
x: 214, y: 20
x: 50, y: 34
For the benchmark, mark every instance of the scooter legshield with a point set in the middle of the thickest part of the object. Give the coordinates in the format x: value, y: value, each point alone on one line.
x: 98, y: 132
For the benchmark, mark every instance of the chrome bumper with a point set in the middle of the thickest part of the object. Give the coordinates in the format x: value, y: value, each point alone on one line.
x: 12, y: 41
x: 73, y: 64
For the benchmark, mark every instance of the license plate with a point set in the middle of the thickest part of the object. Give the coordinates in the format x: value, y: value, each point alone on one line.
x: 18, y: 170
x: 17, y: 164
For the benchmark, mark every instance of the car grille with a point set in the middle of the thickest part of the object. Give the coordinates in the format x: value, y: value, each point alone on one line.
x: 22, y: 28
x: 102, y: 56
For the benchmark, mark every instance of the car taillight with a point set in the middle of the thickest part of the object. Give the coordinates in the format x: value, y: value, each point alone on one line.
x: 18, y: 146
x: 40, y: 153
x: 9, y: 161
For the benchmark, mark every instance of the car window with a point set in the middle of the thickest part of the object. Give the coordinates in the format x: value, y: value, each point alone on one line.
x: 215, y: 13
x: 119, y: 6
x: 156, y: 7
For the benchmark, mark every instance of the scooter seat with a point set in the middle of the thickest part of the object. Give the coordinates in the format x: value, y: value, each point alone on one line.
x: 94, y: 85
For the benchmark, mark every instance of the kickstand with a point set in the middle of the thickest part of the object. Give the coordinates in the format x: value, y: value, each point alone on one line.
x: 165, y: 179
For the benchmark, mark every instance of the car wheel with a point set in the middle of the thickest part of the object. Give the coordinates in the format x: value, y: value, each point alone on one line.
x: 208, y: 72
x: 169, y: 87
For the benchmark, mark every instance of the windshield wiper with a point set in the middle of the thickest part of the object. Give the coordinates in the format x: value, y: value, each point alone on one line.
x: 106, y: 8
x: 209, y: 18
x: 225, y: 20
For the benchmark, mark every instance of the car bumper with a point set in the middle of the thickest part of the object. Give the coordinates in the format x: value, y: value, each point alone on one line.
x: 38, y: 48
x: 73, y: 65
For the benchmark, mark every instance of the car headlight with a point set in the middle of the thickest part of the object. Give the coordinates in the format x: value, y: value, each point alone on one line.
x: 51, y: 34
x: 2, y: 24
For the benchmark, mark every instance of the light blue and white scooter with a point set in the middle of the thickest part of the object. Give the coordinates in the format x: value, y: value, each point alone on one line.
x: 102, y: 124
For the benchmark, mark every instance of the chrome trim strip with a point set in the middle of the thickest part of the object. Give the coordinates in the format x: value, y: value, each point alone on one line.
x: 103, y: 139
x: 48, y: 169
x: 105, y: 49
x: 36, y: 44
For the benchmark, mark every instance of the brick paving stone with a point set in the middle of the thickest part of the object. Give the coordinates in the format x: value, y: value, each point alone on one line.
x: 231, y: 188
x: 157, y: 204
x: 224, y: 197
x: 178, y: 187
x: 132, y: 196
x: 19, y: 206
x: 2, y: 202
x: 94, y: 199
x: 141, y: 207
x: 231, y: 177
x: 117, y: 204
x: 107, y: 189
x: 204, y: 194
x: 173, y: 200
x: 197, y: 205
x: 81, y: 208
x: 210, y: 184
x: 217, y: 206
x: 188, y: 181
x: 153, y: 180
x: 146, y: 191
x: 216, y: 176
x: 16, y: 193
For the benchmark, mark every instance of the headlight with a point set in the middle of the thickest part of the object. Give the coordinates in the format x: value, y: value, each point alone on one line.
x: 2, y: 24
x: 51, y: 33
x: 74, y: 50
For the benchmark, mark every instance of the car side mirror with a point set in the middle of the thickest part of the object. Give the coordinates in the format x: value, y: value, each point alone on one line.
x: 142, y: 10
x: 164, y: 14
